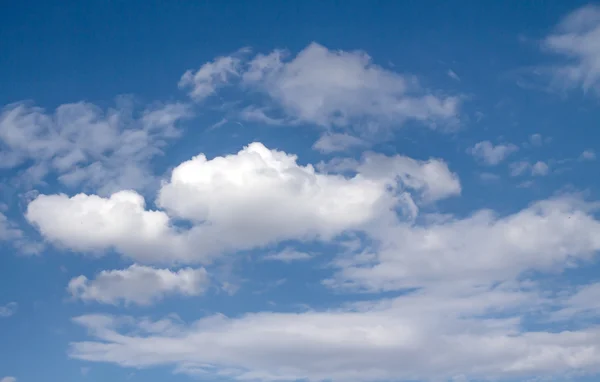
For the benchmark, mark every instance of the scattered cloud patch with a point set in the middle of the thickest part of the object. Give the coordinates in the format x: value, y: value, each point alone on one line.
x: 575, y: 40
x: 588, y: 155
x: 490, y: 154
x: 85, y: 146
x: 538, y: 168
x: 139, y: 285
x: 8, y: 309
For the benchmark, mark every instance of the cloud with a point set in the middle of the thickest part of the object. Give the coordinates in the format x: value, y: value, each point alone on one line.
x: 8, y: 309
x: 211, y: 76
x: 536, y: 139
x: 431, y: 335
x: 335, y: 142
x: 138, y: 285
x: 580, y: 305
x: 288, y: 255
x: 85, y: 146
x: 8, y: 379
x: 452, y: 74
x: 478, y: 250
x: 490, y: 154
x: 331, y: 89
x: 539, y: 168
x: 575, y: 39
x: 588, y: 155
x: 8, y: 230
x: 250, y: 199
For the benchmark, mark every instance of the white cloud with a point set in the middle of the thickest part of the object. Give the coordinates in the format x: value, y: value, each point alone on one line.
x: 138, y: 285
x: 337, y: 88
x: 86, y: 146
x: 536, y: 139
x: 478, y: 250
x: 324, y: 87
x: 431, y: 178
x: 539, y: 168
x: 255, y: 114
x: 8, y: 230
x: 582, y: 304
x: 8, y: 379
x: 576, y: 40
x: 8, y: 309
x: 288, y: 255
x: 212, y: 75
x: 250, y: 199
x: 452, y: 74
x: 588, y: 155
x: 432, y: 335
x: 334, y: 142
x: 490, y: 154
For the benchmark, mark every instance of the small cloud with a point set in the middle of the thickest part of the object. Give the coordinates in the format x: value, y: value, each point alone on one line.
x: 490, y: 154
x: 333, y: 142
x: 537, y: 169
x: 288, y: 255
x: 7, y: 311
x: 8, y: 379
x: 536, y: 139
x: 587, y: 155
x: 453, y: 75
x: 489, y: 177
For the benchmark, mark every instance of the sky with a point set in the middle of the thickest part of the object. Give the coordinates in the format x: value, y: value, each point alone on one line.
x: 299, y: 191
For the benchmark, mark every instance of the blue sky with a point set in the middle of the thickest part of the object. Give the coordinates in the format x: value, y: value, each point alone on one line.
x: 281, y: 191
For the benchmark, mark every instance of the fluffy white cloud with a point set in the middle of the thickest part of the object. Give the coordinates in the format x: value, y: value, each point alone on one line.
x: 576, y: 40
x: 86, y: 146
x: 138, y: 285
x: 490, y: 154
x: 8, y: 309
x: 250, y: 199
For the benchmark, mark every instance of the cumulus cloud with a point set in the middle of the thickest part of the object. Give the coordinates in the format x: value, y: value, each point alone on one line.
x: 575, y: 39
x: 85, y: 146
x: 250, y: 199
x: 138, y: 285
x: 490, y: 154
x: 8, y: 309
